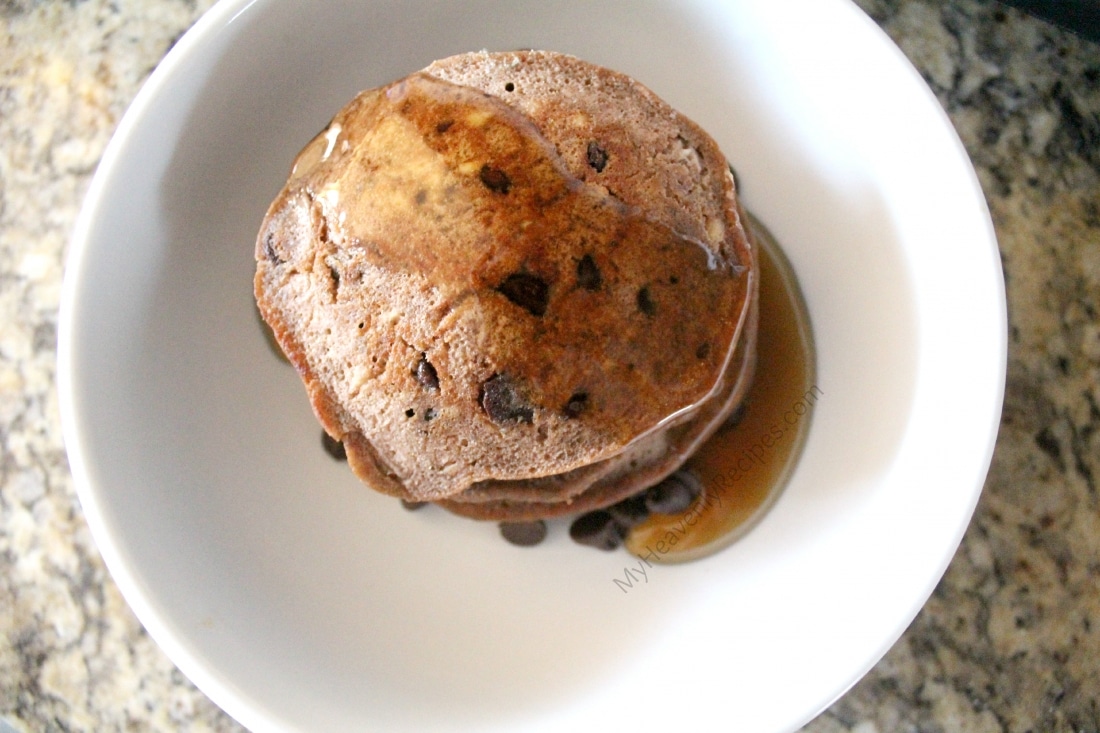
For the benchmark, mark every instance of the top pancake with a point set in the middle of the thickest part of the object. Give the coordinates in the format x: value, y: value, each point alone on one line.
x: 506, y: 267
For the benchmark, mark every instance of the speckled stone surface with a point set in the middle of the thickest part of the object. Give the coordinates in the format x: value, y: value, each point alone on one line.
x: 1009, y: 641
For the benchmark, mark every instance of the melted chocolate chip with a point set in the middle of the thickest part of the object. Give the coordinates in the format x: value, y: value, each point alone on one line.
x: 333, y: 447
x: 502, y: 402
x: 645, y: 302
x: 528, y: 291
x: 631, y: 511
x: 703, y: 351
x: 426, y: 374
x: 674, y: 494
x: 597, y: 529
x: 412, y: 506
x: 588, y: 274
x: 524, y: 534
x: 495, y: 179
x: 269, y: 250
x: 597, y: 156
x: 443, y: 126
x: 576, y: 404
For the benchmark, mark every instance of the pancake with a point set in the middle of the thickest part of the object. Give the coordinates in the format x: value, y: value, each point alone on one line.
x: 515, y: 284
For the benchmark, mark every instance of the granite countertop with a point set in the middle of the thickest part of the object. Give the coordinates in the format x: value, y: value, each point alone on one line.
x: 1010, y: 639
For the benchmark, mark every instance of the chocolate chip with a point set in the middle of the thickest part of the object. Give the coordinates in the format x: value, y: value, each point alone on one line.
x: 597, y: 529
x: 270, y: 252
x: 410, y: 412
x: 509, y: 87
x: 412, y: 506
x: 674, y: 494
x: 631, y: 511
x: 426, y: 374
x: 703, y: 351
x: 495, y: 179
x: 524, y: 534
x: 501, y: 401
x: 528, y: 291
x: 597, y: 156
x: 443, y: 126
x: 333, y: 447
x: 588, y: 273
x: 645, y: 302
x: 576, y: 404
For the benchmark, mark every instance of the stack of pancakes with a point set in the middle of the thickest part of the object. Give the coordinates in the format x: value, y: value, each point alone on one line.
x: 514, y: 284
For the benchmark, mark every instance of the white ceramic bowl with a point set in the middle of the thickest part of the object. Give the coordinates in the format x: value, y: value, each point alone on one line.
x: 300, y: 601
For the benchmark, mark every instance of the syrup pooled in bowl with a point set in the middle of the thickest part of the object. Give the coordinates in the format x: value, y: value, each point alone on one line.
x: 744, y: 466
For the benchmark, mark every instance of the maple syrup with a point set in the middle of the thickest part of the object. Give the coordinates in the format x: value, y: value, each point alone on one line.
x: 744, y: 466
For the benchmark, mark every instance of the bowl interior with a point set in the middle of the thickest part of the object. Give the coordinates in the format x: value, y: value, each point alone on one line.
x: 298, y: 600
